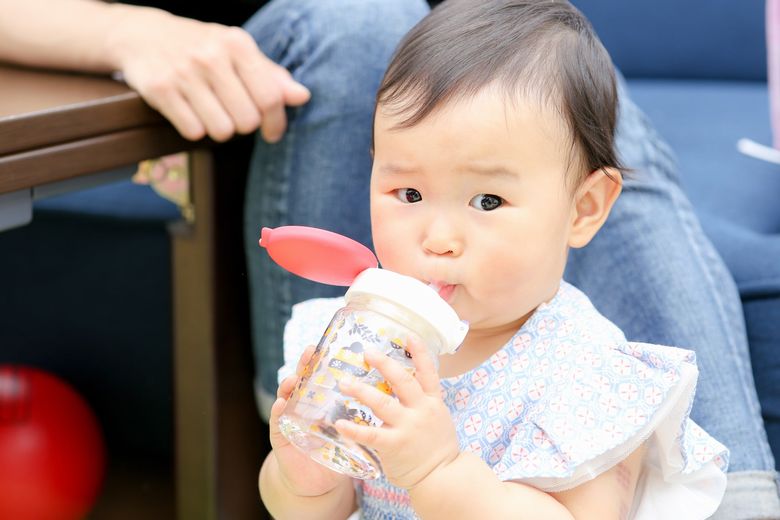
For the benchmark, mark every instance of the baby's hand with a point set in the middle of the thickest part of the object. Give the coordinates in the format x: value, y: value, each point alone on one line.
x: 417, y: 436
x: 301, y: 474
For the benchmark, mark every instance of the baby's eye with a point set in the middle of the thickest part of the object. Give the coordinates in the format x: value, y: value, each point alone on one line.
x: 486, y: 202
x: 408, y: 195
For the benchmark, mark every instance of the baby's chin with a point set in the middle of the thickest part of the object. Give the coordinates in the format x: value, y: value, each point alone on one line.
x: 476, y: 320
x: 485, y: 323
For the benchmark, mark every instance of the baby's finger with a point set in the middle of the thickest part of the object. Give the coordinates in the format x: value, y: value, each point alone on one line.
x: 371, y: 436
x: 425, y: 369
x: 277, y: 438
x: 286, y: 387
x: 403, y: 383
x: 384, y: 406
x: 306, y: 356
x: 276, y: 411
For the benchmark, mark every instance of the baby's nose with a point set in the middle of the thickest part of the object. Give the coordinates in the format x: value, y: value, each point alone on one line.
x: 443, y: 239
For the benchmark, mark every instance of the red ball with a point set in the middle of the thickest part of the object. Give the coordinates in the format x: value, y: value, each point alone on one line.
x: 52, y: 454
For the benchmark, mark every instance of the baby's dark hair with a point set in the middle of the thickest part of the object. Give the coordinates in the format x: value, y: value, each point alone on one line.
x: 544, y: 48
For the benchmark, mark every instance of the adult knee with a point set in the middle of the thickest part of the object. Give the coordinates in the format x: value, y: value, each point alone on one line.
x: 350, y: 43
x: 371, y: 23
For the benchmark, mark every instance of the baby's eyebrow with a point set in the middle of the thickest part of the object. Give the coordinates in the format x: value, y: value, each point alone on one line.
x: 489, y: 170
x: 395, y: 168
x: 482, y: 170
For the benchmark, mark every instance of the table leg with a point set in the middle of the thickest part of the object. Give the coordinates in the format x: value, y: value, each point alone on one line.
x: 195, y: 383
x: 220, y: 440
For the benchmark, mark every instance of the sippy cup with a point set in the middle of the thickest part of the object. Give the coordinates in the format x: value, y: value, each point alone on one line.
x: 382, y: 311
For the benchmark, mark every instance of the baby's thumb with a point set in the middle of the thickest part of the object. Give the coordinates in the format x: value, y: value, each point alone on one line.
x: 276, y: 411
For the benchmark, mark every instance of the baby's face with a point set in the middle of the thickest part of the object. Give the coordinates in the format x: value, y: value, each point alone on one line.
x: 474, y: 198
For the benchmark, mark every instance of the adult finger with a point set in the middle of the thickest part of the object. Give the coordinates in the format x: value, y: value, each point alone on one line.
x: 216, y: 60
x: 255, y: 68
x: 274, y: 117
x: 295, y: 94
x: 204, y: 102
x: 266, y: 83
x: 235, y: 98
x: 291, y: 93
x: 178, y: 111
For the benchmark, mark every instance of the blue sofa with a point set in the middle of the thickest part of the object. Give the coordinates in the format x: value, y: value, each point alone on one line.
x: 698, y: 70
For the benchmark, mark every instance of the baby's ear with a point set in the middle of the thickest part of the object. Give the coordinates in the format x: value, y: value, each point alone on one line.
x: 593, y: 202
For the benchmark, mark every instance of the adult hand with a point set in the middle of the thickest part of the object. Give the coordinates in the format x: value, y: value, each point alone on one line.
x: 206, y: 78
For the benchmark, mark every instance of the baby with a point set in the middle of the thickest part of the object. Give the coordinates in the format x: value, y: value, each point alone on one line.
x: 493, y: 155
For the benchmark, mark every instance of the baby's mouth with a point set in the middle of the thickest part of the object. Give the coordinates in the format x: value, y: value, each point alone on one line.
x: 445, y: 290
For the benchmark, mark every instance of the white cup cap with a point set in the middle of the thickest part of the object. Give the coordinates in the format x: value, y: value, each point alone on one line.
x: 418, y: 298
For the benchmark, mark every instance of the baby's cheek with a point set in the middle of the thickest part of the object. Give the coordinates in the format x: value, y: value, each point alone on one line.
x: 394, y: 248
x: 390, y: 255
x: 391, y: 237
x: 504, y: 284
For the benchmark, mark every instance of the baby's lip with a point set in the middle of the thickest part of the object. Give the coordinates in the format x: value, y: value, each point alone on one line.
x: 437, y: 284
x: 443, y: 289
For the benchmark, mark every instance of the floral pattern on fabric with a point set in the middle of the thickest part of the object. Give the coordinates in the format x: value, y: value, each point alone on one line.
x: 566, y: 398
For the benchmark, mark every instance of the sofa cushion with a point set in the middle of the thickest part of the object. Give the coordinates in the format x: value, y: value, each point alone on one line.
x: 702, y: 120
x: 674, y: 39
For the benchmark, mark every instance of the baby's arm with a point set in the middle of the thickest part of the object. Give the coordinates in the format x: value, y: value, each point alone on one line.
x: 282, y: 503
x: 609, y: 495
x: 291, y: 484
x: 467, y: 488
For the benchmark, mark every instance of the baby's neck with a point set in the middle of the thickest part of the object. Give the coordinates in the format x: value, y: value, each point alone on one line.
x: 475, y: 350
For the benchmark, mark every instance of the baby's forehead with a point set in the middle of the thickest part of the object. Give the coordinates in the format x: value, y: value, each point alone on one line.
x: 510, y: 107
x: 492, y: 123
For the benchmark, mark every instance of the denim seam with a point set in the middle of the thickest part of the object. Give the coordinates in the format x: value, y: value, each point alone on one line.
x: 295, y: 26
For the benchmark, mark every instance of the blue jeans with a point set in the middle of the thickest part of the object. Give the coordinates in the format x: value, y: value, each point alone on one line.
x: 318, y: 174
x: 651, y: 270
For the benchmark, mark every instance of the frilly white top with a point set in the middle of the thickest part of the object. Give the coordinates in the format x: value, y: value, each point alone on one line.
x: 565, y: 399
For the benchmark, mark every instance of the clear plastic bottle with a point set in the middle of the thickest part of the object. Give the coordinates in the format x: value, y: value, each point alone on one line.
x: 383, y: 311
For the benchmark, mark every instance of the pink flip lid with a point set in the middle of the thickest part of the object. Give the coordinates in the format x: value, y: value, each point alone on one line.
x: 316, y: 254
